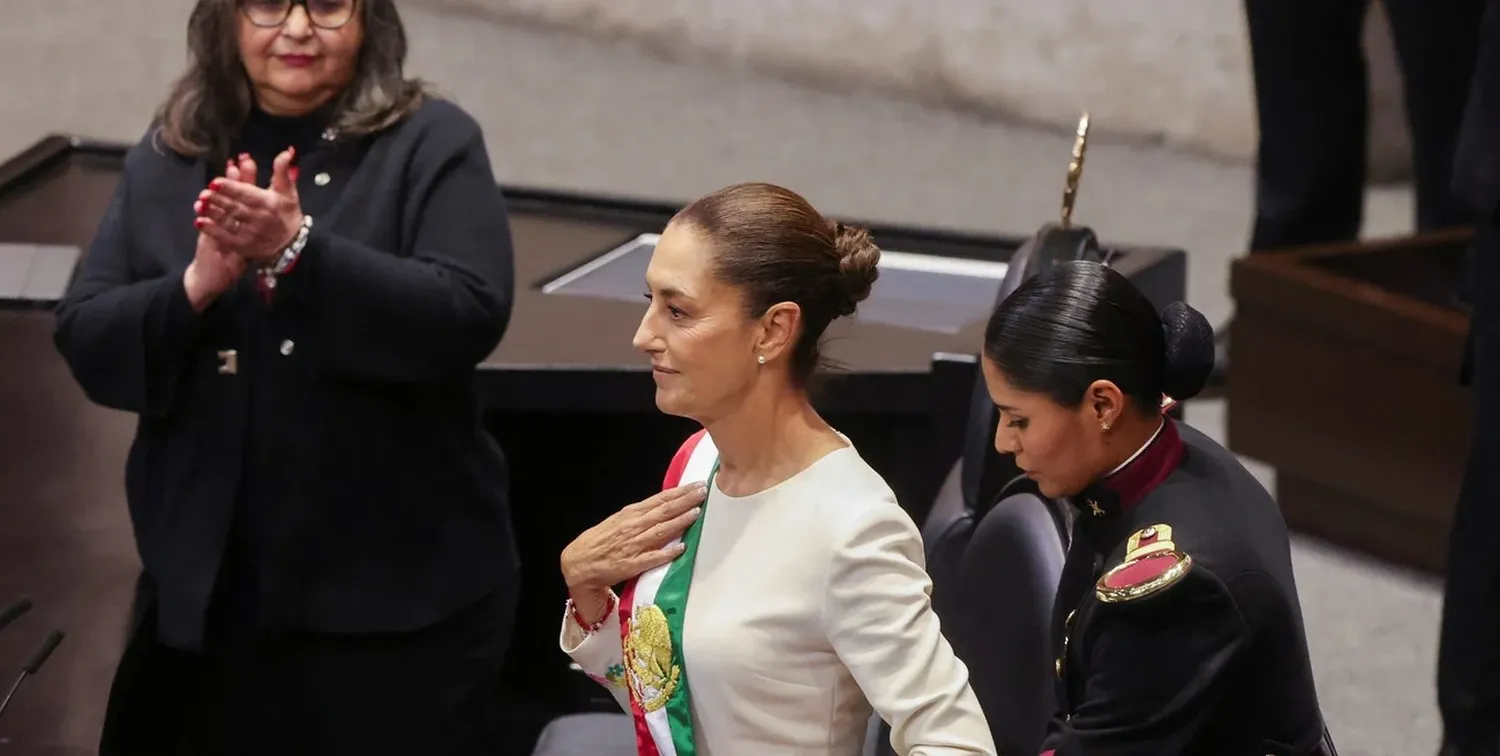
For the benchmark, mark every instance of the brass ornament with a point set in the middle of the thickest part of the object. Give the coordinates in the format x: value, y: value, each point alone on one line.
x: 1075, y: 170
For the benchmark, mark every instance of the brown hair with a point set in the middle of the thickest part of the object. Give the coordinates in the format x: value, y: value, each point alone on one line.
x: 771, y: 244
x: 208, y: 103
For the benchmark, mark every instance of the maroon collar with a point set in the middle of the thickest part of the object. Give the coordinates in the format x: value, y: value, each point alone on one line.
x: 1129, y: 485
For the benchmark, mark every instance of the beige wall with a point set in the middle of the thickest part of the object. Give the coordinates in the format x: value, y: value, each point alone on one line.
x: 1176, y: 70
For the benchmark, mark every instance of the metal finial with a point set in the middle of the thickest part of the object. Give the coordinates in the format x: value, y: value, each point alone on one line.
x: 1075, y: 170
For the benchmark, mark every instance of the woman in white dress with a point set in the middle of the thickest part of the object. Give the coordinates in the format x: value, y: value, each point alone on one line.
x: 774, y: 592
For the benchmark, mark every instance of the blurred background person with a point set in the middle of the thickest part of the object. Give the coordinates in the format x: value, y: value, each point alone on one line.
x: 1469, y: 658
x: 1312, y: 97
x: 303, y: 262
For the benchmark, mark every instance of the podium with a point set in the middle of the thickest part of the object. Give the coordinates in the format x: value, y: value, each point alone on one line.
x: 566, y: 395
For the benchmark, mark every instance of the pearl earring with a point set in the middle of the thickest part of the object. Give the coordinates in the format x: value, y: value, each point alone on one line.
x: 760, y: 359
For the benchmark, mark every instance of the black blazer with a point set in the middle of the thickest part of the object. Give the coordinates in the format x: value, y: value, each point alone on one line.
x: 1476, y: 167
x: 346, y: 433
x: 1177, y: 627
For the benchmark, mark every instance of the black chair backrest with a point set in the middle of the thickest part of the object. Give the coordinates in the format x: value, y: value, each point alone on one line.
x: 995, y: 574
x: 1010, y: 576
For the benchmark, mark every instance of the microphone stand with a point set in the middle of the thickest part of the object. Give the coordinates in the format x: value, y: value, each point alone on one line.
x: 49, y: 644
x: 14, y: 611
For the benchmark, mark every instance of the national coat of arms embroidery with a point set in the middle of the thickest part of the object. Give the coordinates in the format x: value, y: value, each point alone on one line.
x: 648, y: 658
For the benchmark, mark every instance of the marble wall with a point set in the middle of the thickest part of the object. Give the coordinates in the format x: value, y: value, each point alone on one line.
x: 1172, y: 70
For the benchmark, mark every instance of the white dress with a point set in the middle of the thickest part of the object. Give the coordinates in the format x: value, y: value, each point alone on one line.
x: 809, y: 603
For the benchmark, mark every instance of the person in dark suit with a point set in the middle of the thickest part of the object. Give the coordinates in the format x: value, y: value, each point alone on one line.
x: 1177, y: 624
x: 1468, y: 656
x: 1312, y: 106
x: 304, y: 260
x: 1312, y: 110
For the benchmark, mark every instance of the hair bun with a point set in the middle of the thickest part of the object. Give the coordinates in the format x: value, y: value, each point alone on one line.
x: 859, y: 265
x: 1190, y: 351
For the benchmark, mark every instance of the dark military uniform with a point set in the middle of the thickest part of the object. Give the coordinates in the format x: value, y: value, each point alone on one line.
x: 1177, y: 625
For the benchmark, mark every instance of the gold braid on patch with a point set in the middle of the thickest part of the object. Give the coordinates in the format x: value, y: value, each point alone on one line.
x: 1152, y: 564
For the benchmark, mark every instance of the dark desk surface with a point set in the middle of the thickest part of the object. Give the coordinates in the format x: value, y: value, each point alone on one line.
x: 576, y: 331
x: 548, y: 330
x: 557, y: 345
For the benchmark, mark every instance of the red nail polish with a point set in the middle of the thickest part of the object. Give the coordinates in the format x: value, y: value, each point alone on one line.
x: 292, y: 172
x: 198, y: 223
x: 214, y: 184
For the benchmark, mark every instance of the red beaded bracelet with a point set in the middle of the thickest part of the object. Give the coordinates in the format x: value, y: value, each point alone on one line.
x: 592, y: 627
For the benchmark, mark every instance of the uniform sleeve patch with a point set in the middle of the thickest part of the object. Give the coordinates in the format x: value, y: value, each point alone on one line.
x: 1152, y: 563
x: 1140, y: 571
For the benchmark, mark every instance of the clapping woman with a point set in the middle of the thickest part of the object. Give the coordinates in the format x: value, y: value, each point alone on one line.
x: 305, y: 259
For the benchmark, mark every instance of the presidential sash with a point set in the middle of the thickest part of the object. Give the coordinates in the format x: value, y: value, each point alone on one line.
x: 652, y: 607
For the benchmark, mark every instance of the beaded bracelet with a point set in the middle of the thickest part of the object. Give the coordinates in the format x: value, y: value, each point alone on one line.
x: 589, y: 628
x: 289, y: 256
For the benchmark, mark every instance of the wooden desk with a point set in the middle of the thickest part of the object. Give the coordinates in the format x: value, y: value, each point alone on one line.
x: 1345, y: 362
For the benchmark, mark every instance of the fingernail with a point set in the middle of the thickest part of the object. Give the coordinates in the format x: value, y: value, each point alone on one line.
x: 292, y: 172
x: 696, y: 511
x: 198, y: 207
x: 198, y: 223
x: 244, y: 156
x: 215, y: 184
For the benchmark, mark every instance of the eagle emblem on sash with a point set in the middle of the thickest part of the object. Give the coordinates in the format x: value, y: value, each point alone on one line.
x: 648, y: 658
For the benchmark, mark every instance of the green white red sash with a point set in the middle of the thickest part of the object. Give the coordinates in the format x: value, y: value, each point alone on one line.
x: 652, y: 607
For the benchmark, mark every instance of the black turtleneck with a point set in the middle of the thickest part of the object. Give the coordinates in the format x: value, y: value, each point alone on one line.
x: 264, y: 137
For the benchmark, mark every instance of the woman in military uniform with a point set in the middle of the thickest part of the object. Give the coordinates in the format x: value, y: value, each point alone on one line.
x: 1177, y: 628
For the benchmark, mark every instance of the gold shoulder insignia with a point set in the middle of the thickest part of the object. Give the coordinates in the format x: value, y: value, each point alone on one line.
x: 1152, y: 563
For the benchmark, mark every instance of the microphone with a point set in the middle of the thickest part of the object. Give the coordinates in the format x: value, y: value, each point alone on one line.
x: 34, y: 664
x: 14, y: 611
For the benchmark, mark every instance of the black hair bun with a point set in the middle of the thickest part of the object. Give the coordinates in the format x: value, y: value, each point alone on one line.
x: 1190, y: 351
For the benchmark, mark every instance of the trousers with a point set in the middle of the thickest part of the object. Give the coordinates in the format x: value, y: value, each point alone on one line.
x: 288, y: 694
x: 1312, y: 105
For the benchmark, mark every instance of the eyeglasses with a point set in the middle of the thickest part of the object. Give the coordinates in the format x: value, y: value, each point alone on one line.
x: 324, y: 14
